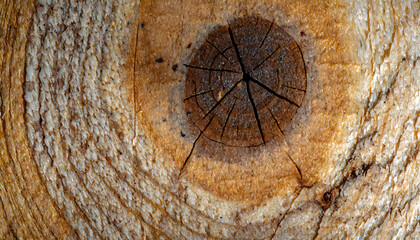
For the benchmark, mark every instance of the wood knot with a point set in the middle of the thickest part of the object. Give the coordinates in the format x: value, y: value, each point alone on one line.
x: 245, y: 83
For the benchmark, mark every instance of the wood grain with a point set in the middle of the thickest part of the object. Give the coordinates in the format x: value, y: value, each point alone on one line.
x: 93, y: 129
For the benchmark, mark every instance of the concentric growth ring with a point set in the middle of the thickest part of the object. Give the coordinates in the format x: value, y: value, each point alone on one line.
x: 245, y: 83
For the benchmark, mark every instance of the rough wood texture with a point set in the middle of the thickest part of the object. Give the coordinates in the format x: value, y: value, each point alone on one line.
x: 93, y: 130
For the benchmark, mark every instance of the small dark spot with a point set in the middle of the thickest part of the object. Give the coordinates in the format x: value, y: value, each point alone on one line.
x: 365, y: 168
x: 353, y: 174
x: 404, y: 59
x: 327, y: 196
x: 188, y: 114
x: 175, y: 67
x: 189, y: 45
x: 182, y: 134
x: 142, y: 26
x: 302, y: 33
x: 128, y: 23
x: 164, y: 120
x: 159, y: 59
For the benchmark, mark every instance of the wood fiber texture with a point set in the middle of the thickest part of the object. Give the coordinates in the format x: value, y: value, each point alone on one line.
x: 94, y: 129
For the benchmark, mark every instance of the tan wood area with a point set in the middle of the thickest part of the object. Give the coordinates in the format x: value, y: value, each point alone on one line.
x: 97, y: 142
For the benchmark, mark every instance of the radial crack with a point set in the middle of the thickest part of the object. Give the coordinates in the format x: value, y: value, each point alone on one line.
x: 269, y: 29
x: 286, y: 86
x: 224, y: 96
x: 278, y: 125
x: 198, y: 94
x: 210, y: 69
x: 296, y: 166
x: 269, y: 56
x: 255, y: 110
x: 195, y: 142
x: 236, y: 50
x: 221, y: 53
x: 285, y: 214
x: 275, y: 120
x: 273, y: 92
x: 227, y: 119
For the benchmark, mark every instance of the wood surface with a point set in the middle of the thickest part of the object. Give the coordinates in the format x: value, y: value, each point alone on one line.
x: 94, y: 133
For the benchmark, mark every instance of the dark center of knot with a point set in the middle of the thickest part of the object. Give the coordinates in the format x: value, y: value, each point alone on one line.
x: 245, y: 83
